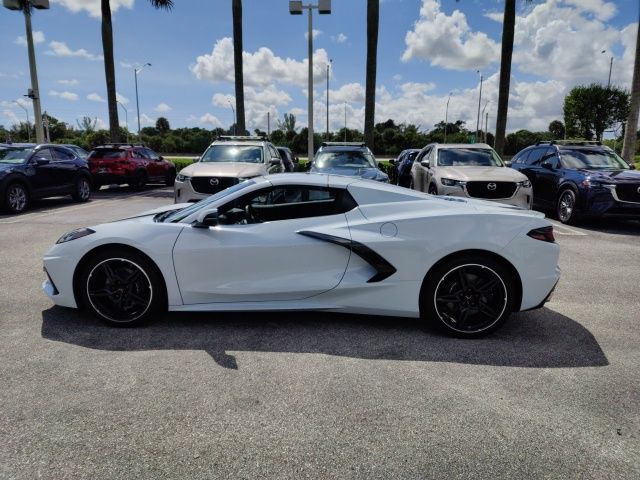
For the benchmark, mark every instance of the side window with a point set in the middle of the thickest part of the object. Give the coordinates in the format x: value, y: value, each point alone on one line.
x: 63, y: 155
x: 140, y: 153
x: 535, y: 156
x: 552, y: 157
x: 151, y: 154
x: 521, y: 157
x: 274, y: 153
x: 43, y: 154
x: 423, y: 155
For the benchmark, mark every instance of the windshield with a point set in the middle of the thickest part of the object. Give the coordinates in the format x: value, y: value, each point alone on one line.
x: 14, y: 155
x: 468, y: 157
x: 175, y: 216
x: 329, y: 160
x: 233, y: 153
x: 584, y: 158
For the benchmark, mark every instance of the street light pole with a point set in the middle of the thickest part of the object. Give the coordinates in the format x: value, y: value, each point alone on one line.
x: 328, y: 65
x: 479, y: 101
x: 446, y: 118
x: 136, y: 71
x: 28, y: 121
x: 234, y: 116
x: 610, y: 68
x: 482, y: 115
x: 345, y: 122
x: 126, y: 117
x: 295, y: 8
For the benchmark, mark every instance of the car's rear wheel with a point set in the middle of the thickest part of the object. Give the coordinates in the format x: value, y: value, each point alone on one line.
x: 82, y: 189
x: 170, y: 178
x: 122, y: 288
x: 433, y: 190
x: 468, y: 296
x: 16, y: 198
x: 139, y: 181
x: 566, y: 207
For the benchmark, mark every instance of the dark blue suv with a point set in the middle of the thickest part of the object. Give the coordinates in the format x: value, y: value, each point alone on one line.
x: 580, y: 179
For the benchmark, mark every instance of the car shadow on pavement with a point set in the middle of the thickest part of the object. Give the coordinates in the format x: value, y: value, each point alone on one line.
x: 538, y: 339
x: 611, y: 225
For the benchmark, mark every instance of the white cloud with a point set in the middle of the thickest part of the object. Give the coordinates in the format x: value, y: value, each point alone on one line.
x: 38, y: 37
x: 101, y: 124
x: 94, y: 97
x: 146, y: 120
x: 209, y: 119
x: 258, y: 104
x: 13, y: 118
x: 126, y: 65
x: 60, y: 49
x: 600, y: 9
x: 340, y: 38
x: 495, y: 16
x: 448, y: 41
x: 314, y: 33
x: 350, y: 92
x: 397, y: 77
x: 71, y: 83
x: 260, y: 68
x: 92, y: 7
x: 163, y: 108
x: 64, y: 95
x: 122, y: 99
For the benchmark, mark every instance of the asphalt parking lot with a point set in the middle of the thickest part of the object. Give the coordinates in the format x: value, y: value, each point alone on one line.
x: 554, y: 394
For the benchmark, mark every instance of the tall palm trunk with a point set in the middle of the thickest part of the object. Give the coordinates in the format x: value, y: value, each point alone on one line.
x: 630, y: 132
x: 109, y: 71
x: 508, y: 27
x: 236, y: 8
x: 373, y: 20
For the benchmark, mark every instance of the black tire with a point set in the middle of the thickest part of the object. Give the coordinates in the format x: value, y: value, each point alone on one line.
x: 139, y: 181
x: 170, y: 178
x: 95, y: 186
x: 411, y: 185
x: 122, y: 288
x: 82, y: 189
x: 16, y: 198
x: 468, y: 296
x: 432, y: 190
x: 566, y: 207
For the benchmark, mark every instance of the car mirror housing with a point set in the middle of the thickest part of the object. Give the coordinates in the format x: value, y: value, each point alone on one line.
x: 425, y: 164
x: 275, y: 161
x: 42, y: 161
x: 207, y: 218
x: 547, y: 164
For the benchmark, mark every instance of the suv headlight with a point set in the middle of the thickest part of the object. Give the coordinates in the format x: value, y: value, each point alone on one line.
x: 75, y: 234
x: 182, y: 178
x: 524, y: 184
x: 589, y: 183
x: 450, y: 182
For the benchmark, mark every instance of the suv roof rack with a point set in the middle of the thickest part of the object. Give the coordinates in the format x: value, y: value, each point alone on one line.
x: 583, y: 143
x: 242, y: 138
x: 116, y: 145
x: 343, y: 144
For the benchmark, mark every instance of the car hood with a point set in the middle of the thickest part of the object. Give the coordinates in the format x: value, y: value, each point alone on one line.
x: 613, y: 176
x: 155, y: 211
x: 224, y: 169
x: 482, y: 174
x: 366, y: 173
x: 7, y: 167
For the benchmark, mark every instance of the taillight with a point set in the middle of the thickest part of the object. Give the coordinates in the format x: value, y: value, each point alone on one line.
x: 543, y: 233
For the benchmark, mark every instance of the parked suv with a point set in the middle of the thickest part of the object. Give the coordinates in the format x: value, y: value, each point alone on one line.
x: 228, y: 161
x: 580, y: 179
x: 29, y: 171
x: 135, y: 165
x: 469, y: 170
x: 353, y: 159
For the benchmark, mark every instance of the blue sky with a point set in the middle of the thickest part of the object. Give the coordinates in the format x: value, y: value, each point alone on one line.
x: 427, y: 50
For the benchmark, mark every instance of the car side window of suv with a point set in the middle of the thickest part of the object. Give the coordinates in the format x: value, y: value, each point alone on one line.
x: 535, y: 157
x: 151, y: 154
x: 139, y: 153
x: 63, y: 155
x: 274, y: 153
x: 551, y: 156
x: 43, y: 154
x: 521, y: 157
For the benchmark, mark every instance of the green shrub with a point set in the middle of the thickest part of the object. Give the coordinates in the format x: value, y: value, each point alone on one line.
x: 180, y: 163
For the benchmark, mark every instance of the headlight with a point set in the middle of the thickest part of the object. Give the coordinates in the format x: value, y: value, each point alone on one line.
x: 525, y: 184
x: 75, y: 234
x: 182, y: 178
x: 450, y: 182
x: 588, y: 183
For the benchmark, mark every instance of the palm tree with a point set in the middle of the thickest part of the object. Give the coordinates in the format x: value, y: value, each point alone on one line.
x: 373, y: 19
x: 109, y: 69
x: 630, y: 132
x: 236, y: 8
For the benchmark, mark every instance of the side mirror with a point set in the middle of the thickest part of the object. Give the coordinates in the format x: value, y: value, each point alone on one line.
x: 547, y: 164
x: 425, y: 163
x: 207, y: 218
x: 392, y: 161
x: 42, y: 161
x: 632, y: 166
x: 507, y: 163
x: 160, y: 158
x: 381, y: 166
x: 275, y: 161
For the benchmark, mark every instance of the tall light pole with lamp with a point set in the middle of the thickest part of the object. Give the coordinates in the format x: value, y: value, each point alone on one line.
x: 126, y: 117
x: 446, y: 118
x: 324, y: 8
x: 479, y: 101
x: 28, y: 121
x: 136, y: 71
x: 34, y: 91
x: 610, y: 68
x: 234, y: 116
x: 482, y: 117
x: 328, y: 66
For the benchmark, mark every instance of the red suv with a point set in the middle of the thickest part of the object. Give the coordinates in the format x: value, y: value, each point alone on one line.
x: 135, y: 165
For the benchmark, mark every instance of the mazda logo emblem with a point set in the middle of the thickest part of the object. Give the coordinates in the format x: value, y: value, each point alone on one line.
x: 213, y: 182
x: 491, y: 186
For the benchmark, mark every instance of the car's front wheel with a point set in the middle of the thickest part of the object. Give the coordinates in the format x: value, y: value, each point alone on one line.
x: 433, y: 190
x: 468, y: 296
x: 566, y: 207
x: 16, y: 198
x: 82, y: 189
x: 122, y: 288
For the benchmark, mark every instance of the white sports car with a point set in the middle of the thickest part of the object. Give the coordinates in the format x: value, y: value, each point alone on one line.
x: 313, y: 242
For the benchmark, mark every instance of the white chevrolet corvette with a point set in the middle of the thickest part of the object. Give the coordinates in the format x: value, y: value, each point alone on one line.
x: 313, y: 242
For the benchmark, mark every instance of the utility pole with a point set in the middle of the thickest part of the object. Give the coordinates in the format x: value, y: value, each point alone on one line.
x: 234, y: 116
x: 268, y: 124
x: 45, y: 121
x: 486, y: 128
x: 345, y: 122
x: 479, y: 101
x: 126, y: 118
x: 446, y: 118
x: 328, y: 65
x: 136, y: 71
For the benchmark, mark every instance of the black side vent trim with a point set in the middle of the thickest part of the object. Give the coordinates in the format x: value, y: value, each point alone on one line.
x: 383, y: 268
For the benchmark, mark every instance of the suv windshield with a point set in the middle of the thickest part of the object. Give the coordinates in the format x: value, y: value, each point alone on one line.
x: 468, y: 157
x: 108, y: 153
x: 174, y: 216
x: 328, y: 160
x: 233, y: 153
x: 585, y: 158
x: 14, y: 155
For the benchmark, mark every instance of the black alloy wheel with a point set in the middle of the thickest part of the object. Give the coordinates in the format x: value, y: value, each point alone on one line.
x: 82, y: 189
x: 16, y: 198
x: 468, y: 297
x: 565, y: 210
x: 122, y: 288
x: 139, y: 181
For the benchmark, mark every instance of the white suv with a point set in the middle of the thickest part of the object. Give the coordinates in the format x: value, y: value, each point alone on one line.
x: 228, y: 161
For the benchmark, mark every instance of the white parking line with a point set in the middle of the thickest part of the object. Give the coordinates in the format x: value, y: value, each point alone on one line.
x: 561, y: 229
